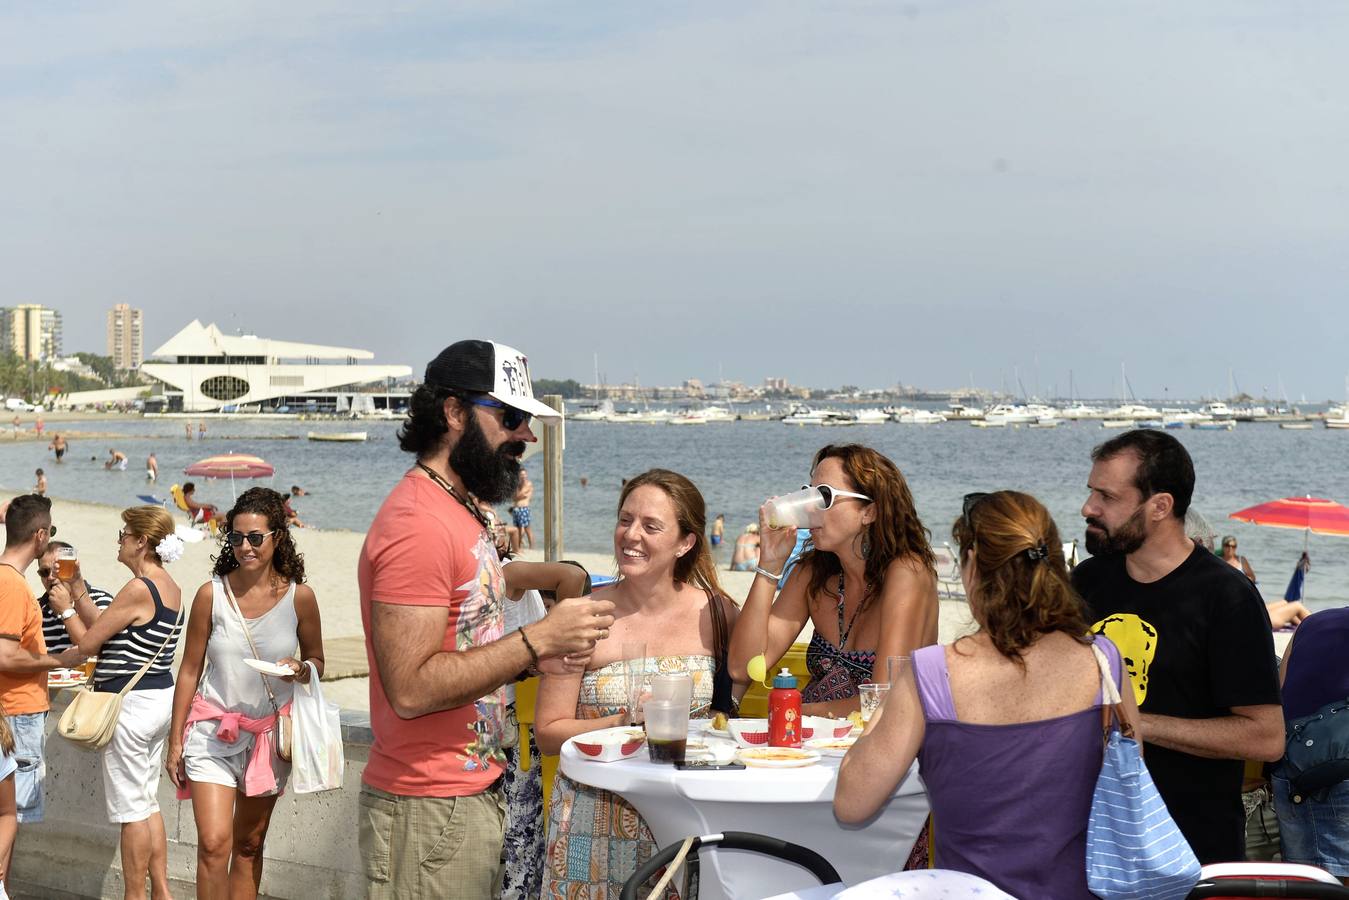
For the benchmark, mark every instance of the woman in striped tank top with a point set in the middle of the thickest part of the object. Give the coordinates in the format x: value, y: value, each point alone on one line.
x: 139, y: 631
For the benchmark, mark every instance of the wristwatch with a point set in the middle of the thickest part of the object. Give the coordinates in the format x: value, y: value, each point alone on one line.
x: 66, y: 614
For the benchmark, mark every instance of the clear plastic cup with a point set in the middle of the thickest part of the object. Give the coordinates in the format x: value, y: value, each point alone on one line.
x: 634, y: 676
x: 871, y: 696
x: 799, y: 509
x: 667, y: 730
x: 675, y: 688
x: 66, y: 560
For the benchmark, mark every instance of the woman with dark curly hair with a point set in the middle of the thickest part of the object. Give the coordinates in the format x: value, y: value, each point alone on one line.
x: 867, y: 582
x: 255, y: 607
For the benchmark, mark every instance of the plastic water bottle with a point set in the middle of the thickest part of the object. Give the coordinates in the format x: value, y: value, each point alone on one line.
x: 784, y: 711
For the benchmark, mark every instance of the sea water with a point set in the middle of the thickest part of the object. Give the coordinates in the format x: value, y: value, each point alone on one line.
x: 736, y: 465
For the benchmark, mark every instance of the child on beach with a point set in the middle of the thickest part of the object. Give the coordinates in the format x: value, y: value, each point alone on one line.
x: 9, y: 815
x: 41, y: 487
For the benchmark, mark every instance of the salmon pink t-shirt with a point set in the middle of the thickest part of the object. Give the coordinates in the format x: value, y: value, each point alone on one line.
x: 425, y: 549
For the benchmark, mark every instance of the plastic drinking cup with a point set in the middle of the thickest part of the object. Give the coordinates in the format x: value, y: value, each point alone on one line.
x: 871, y: 696
x: 667, y: 730
x: 675, y: 688
x: 66, y: 558
x: 634, y: 676
x: 894, y: 667
x: 799, y: 509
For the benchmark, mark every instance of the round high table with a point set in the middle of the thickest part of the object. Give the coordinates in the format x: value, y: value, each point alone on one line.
x: 792, y: 804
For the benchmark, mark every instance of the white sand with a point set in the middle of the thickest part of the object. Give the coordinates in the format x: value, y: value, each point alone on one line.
x: 330, y: 567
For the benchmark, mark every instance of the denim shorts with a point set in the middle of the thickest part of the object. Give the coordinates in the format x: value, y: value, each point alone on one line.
x: 1314, y: 832
x: 30, y: 745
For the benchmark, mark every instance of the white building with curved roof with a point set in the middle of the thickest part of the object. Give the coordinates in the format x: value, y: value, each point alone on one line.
x: 204, y: 370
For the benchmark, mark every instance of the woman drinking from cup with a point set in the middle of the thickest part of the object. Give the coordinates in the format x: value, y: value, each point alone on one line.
x: 866, y: 581
x: 667, y: 598
x: 1006, y: 722
x: 256, y: 607
x: 138, y: 631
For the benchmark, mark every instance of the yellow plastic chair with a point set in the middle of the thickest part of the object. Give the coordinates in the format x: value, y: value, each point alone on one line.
x: 194, y: 520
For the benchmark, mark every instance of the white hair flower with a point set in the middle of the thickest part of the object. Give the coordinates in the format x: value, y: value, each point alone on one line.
x: 170, y: 549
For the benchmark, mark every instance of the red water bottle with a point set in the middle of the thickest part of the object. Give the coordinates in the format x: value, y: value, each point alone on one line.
x: 784, y: 711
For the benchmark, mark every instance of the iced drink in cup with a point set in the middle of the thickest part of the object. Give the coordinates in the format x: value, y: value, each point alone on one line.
x: 66, y: 559
x: 667, y: 730
x: 799, y: 509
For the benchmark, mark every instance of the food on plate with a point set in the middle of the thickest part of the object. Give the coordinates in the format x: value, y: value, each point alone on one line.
x: 775, y: 753
x: 856, y: 718
x: 719, y: 721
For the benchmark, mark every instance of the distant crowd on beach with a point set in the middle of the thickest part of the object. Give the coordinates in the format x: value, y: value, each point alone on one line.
x: 1156, y: 646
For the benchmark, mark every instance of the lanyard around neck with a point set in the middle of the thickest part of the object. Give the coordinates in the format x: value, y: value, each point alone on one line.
x: 449, y: 489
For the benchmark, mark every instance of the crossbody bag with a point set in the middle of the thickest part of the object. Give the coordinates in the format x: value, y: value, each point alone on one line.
x: 281, y: 731
x: 91, y: 718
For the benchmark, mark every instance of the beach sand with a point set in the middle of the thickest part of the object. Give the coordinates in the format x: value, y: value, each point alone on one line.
x: 330, y: 567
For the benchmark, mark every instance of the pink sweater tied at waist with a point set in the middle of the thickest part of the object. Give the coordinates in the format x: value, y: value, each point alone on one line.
x: 259, y: 777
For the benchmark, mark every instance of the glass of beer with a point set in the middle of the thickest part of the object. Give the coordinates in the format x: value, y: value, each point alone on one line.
x: 88, y: 668
x: 66, y: 559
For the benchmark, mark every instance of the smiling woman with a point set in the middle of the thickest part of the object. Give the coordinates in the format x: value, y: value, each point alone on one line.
x: 668, y: 599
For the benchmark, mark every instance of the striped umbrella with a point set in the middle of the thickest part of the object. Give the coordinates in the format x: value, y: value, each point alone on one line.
x: 231, y: 466
x: 1306, y: 514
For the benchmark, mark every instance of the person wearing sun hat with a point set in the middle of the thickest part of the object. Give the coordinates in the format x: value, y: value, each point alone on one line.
x: 432, y: 590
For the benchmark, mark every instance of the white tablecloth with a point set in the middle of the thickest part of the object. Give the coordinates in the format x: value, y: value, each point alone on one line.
x: 791, y: 804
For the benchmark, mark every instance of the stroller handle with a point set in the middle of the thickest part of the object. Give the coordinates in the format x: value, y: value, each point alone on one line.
x: 1267, y: 887
x: 735, y: 840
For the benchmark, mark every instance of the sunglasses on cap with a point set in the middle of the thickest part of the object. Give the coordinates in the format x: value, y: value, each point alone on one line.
x: 829, y: 493
x: 237, y: 538
x: 511, y: 419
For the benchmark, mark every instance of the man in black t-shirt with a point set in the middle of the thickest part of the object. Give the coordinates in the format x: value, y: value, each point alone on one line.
x: 1193, y: 632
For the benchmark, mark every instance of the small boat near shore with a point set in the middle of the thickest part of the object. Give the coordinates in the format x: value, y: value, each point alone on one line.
x: 338, y: 436
x: 1296, y: 426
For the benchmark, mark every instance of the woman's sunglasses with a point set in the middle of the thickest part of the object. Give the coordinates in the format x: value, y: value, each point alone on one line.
x: 829, y: 494
x: 237, y: 538
x: 511, y: 419
x: 967, y: 507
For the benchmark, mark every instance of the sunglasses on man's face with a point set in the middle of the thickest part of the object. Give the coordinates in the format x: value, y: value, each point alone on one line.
x: 829, y: 493
x: 44, y: 573
x: 237, y: 538
x: 511, y: 418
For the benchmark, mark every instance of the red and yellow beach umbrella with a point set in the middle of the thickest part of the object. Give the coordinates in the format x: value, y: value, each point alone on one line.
x: 1310, y: 515
x: 231, y: 465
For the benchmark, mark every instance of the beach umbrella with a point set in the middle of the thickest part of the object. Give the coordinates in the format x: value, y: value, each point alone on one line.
x: 231, y: 466
x: 1307, y: 514
x: 1310, y: 515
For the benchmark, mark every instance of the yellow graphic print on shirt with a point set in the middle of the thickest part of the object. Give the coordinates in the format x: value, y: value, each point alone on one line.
x: 1137, y: 643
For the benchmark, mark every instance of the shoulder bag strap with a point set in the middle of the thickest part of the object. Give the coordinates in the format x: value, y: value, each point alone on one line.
x: 151, y: 661
x: 1111, y: 704
x: 243, y: 623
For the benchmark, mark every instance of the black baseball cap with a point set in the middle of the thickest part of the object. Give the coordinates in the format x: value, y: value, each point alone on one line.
x: 486, y: 367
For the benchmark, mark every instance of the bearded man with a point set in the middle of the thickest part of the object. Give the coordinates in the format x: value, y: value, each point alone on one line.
x: 431, y: 603
x: 1193, y: 632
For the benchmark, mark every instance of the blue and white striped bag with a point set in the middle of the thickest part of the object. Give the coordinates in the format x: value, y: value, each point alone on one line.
x: 1134, y: 849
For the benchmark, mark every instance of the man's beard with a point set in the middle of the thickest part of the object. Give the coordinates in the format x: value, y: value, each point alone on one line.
x: 1125, y: 539
x: 490, y: 475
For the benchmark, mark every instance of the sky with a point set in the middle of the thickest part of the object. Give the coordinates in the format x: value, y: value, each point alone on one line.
x: 934, y: 193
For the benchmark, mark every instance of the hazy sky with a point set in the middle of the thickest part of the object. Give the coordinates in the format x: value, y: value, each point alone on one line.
x: 841, y: 192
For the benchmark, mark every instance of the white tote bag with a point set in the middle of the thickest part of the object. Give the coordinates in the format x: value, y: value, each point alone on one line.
x: 317, y: 763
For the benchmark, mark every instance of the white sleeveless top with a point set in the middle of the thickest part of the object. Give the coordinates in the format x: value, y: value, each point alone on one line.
x: 231, y: 685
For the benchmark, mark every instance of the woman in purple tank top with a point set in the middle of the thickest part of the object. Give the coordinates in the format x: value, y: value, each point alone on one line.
x: 1005, y: 723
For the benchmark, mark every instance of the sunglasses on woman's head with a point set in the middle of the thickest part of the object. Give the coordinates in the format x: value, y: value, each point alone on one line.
x: 237, y: 538
x: 967, y: 507
x: 511, y: 419
x: 829, y: 493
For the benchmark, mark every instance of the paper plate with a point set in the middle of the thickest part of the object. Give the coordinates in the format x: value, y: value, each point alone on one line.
x: 60, y: 678
x: 777, y: 757
x: 268, y: 668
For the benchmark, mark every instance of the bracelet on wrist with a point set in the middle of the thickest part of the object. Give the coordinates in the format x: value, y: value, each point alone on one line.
x: 760, y: 570
x: 533, y: 654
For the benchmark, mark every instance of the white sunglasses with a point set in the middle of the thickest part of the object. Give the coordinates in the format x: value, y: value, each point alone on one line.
x: 829, y: 493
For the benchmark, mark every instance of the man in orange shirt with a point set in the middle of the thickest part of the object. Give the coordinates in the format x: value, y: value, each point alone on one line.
x: 431, y: 603
x: 24, y: 661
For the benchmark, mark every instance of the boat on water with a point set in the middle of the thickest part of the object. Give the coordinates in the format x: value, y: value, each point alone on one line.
x: 958, y: 410
x: 988, y: 423
x: 1012, y: 414
x: 919, y: 417
x: 1046, y: 422
x: 1216, y: 425
x: 804, y: 415
x: 338, y: 436
x: 871, y: 416
x: 1132, y: 411
x: 1296, y: 426
x: 1117, y: 423
x: 596, y: 412
x: 688, y: 418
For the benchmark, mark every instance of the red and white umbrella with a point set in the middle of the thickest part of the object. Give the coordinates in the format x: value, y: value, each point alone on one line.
x: 1308, y: 514
x: 231, y: 466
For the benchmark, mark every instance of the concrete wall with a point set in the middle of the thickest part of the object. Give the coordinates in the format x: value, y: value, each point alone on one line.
x: 311, y: 846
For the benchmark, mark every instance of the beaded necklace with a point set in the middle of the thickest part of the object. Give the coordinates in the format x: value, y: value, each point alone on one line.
x: 449, y: 489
